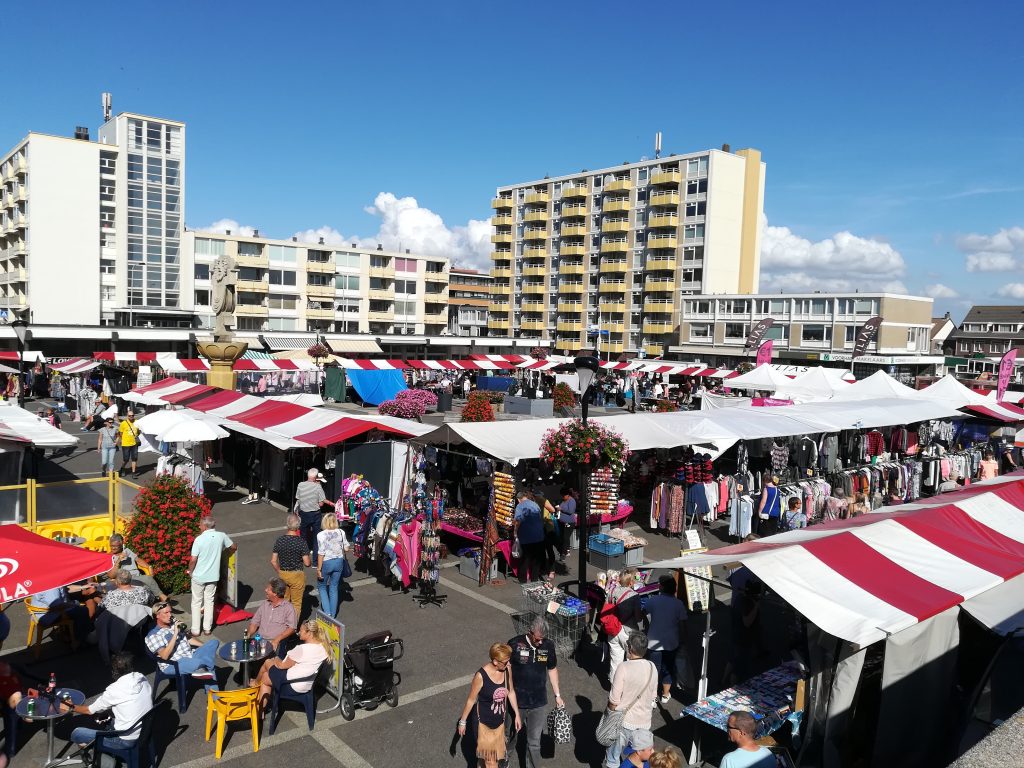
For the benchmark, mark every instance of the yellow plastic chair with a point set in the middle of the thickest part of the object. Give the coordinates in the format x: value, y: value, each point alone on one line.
x: 64, y: 533
x: 101, y: 544
x: 36, y: 631
x: 95, y: 530
x: 233, y: 705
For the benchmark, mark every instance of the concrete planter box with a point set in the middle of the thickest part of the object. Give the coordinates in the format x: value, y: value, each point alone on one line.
x: 526, y: 407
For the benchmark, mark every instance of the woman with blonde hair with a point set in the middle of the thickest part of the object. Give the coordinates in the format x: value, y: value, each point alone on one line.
x: 301, y: 662
x: 489, y: 694
x: 666, y: 758
x: 330, y: 563
x: 626, y: 602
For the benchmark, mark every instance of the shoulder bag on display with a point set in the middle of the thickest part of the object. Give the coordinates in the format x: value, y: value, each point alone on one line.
x: 610, y: 725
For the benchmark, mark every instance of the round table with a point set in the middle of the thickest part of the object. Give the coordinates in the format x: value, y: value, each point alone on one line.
x: 51, y: 713
x: 265, y: 651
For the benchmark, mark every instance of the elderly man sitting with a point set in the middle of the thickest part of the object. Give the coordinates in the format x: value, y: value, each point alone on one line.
x: 275, y: 619
x: 125, y: 558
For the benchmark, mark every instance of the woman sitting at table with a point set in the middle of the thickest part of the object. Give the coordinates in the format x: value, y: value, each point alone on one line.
x: 125, y: 593
x: 302, y: 661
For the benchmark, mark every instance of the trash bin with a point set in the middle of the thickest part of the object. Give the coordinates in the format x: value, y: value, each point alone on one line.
x: 444, y: 402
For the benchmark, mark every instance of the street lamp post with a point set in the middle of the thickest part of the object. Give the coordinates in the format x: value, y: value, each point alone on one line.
x: 587, y: 367
x: 21, y: 331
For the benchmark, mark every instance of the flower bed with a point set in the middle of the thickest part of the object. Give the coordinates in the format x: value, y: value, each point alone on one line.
x: 593, y: 445
x: 163, y: 526
x: 478, y: 408
x: 563, y: 396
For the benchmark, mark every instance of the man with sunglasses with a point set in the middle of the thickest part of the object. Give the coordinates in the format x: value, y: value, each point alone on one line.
x: 169, y: 641
x: 534, y: 664
x: 748, y: 753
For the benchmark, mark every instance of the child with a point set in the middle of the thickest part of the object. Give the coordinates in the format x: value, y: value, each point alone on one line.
x: 795, y: 517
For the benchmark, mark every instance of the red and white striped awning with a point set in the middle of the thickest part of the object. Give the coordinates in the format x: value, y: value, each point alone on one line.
x: 428, y: 365
x: 30, y: 356
x: 198, y: 364
x: 167, y: 391
x: 134, y: 357
x: 871, y: 576
x: 75, y: 365
x: 1006, y: 412
x: 514, y: 359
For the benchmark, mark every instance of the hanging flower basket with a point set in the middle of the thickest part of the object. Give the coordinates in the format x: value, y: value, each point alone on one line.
x: 591, y: 446
x: 539, y: 353
x: 318, y: 352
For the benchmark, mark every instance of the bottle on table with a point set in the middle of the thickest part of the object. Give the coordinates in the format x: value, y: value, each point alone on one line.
x: 245, y: 641
x: 52, y: 686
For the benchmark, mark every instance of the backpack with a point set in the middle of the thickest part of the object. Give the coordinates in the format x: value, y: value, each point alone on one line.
x: 609, y: 619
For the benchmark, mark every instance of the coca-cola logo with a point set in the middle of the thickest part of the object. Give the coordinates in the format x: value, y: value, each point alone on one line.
x: 7, y: 567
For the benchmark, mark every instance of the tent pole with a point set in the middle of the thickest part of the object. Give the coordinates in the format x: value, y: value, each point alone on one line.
x: 702, y: 684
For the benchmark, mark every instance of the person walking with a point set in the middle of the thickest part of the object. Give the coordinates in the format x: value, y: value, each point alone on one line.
x: 634, y: 688
x: 627, y: 608
x: 289, y: 558
x: 309, y: 498
x: 666, y: 632
x: 128, y: 439
x: 204, y: 570
x: 490, y: 693
x: 534, y: 665
x: 106, y: 446
x: 566, y: 520
x: 332, y: 544
x: 529, y: 529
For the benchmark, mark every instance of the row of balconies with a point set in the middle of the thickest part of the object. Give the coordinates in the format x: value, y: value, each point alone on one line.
x: 14, y: 167
x: 12, y: 197
x: 12, y: 223
x: 15, y: 275
x: 608, y: 245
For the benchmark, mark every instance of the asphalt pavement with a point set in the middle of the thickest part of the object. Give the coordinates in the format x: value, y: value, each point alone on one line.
x: 444, y: 647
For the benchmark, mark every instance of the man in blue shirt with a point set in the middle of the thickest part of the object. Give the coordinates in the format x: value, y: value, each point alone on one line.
x: 748, y: 753
x: 529, y: 529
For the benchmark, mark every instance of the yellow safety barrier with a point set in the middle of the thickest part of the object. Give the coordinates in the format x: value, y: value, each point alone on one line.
x: 95, y: 529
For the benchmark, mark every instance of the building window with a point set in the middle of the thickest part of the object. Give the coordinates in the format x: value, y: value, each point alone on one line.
x: 736, y: 331
x: 207, y: 247
x: 134, y: 167
x: 107, y: 293
x: 282, y: 253
x: 405, y: 286
x: 734, y: 306
x: 813, y: 307
x: 405, y: 265
x: 203, y: 272
x: 406, y: 308
x: 172, y: 176
x: 244, y: 273
x: 697, y: 307
x: 346, y: 282
x: 347, y: 260
x: 777, y: 333
x: 283, y: 301
x: 811, y: 333
x: 282, y: 324
x: 380, y: 262
x: 700, y: 332
x: 282, y: 277
x: 203, y: 298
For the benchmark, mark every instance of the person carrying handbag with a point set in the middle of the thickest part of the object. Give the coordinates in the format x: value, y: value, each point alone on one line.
x: 630, y: 700
x: 491, y: 693
x: 621, y: 615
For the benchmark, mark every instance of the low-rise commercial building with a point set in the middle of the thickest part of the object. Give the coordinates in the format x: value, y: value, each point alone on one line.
x: 469, y: 292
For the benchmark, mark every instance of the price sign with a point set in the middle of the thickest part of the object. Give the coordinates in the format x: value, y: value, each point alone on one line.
x: 698, y: 590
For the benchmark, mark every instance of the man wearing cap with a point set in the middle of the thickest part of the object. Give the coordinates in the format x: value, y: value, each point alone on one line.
x: 639, y: 750
x: 106, y: 445
x: 128, y: 435
x: 309, y: 498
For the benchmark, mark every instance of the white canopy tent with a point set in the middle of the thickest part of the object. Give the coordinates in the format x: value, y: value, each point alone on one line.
x: 878, y: 384
x: 813, y: 385
x: 764, y: 377
x: 24, y: 426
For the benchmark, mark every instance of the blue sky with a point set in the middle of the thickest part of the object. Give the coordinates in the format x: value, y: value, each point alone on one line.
x: 891, y: 131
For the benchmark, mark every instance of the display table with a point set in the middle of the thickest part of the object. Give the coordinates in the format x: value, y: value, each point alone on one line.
x: 768, y: 697
x: 608, y: 519
x: 503, y: 546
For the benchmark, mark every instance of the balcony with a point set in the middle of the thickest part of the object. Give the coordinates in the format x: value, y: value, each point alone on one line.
x: 663, y: 220
x: 657, y: 328
x: 573, y: 250
x: 662, y: 241
x: 654, y: 350
x: 611, y: 206
x: 541, y: 215
x: 570, y: 211
x: 619, y: 185
x: 251, y: 310
x: 502, y: 203
x: 571, y: 268
x: 379, y: 294
x: 612, y: 286
x: 320, y: 314
x: 16, y: 275
x: 615, y: 246
x: 537, y: 198
x: 532, y: 306
x: 502, y: 220
x: 254, y: 286
x: 535, y: 253
x: 534, y: 288
x: 532, y: 325
x: 497, y: 324
x: 612, y: 346
x: 320, y: 291
x: 436, y: 297
x: 20, y: 195
x: 664, y: 286
x: 569, y: 326
x: 21, y: 166
x: 666, y: 177
x: 614, y: 326
x: 499, y: 306
x: 501, y: 289
x: 615, y: 225
x: 502, y: 237
x: 654, y: 265
x: 501, y: 255
x: 570, y: 191
x: 661, y: 307
x: 252, y: 260
x: 565, y: 287
x: 13, y: 301
x: 535, y: 234
x: 573, y: 230
x: 664, y: 198
x: 381, y: 316
x: 616, y: 265
x: 531, y: 271
x: 20, y: 221
x: 320, y: 267
x: 504, y: 272
x: 436, y: 277
x: 571, y: 307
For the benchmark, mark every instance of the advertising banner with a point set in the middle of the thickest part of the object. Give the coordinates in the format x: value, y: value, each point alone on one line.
x: 1005, y: 371
x: 758, y: 331
x: 865, y: 335
x: 334, y: 632
x: 764, y: 352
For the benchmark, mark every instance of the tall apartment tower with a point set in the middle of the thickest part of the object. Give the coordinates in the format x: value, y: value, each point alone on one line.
x: 90, y: 230
x: 615, y: 250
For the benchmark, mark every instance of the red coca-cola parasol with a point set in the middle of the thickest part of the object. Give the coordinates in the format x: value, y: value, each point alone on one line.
x: 30, y: 563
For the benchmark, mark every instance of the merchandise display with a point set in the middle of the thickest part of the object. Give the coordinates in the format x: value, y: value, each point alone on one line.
x: 602, y: 493
x: 768, y: 696
x: 503, y: 498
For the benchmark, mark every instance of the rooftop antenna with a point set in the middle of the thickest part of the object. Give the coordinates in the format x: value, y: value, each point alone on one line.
x: 657, y: 145
x: 106, y: 107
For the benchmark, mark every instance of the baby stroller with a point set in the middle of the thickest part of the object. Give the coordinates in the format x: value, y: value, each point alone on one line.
x: 369, y: 676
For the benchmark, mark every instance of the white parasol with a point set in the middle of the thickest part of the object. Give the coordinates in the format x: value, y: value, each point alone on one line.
x: 192, y: 431
x: 156, y: 422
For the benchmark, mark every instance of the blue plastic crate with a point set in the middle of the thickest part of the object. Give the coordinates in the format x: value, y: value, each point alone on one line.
x: 606, y: 545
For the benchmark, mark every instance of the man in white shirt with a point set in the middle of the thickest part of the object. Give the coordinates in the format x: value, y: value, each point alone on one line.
x: 129, y: 697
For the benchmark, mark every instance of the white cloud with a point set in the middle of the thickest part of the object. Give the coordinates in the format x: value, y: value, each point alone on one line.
x: 940, y: 291
x: 1012, y: 291
x: 843, y: 262
x: 404, y: 224
x: 223, y: 226
x: 999, y: 252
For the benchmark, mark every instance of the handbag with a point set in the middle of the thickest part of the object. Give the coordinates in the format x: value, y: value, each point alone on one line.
x: 559, y: 726
x: 609, y: 619
x: 517, y: 549
x: 346, y: 569
x: 610, y: 725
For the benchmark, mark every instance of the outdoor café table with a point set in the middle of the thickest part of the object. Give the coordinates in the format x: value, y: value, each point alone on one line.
x: 50, y: 712
x: 265, y: 651
x: 768, y: 697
